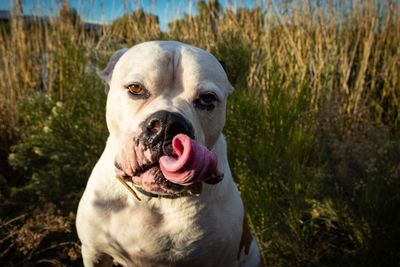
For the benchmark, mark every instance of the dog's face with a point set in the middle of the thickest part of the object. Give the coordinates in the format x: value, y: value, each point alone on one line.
x: 157, y: 91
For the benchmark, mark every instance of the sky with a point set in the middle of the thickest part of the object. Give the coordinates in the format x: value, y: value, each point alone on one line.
x: 105, y: 11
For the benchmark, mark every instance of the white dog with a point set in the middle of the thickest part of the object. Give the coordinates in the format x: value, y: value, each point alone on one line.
x: 165, y: 114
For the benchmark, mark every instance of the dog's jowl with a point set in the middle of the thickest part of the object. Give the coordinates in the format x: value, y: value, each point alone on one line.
x: 162, y: 192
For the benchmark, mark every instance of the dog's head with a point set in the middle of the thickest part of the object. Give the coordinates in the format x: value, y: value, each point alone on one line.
x: 163, y: 95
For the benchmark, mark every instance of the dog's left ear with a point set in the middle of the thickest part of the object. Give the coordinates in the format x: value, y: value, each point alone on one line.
x: 223, y: 64
x: 106, y: 74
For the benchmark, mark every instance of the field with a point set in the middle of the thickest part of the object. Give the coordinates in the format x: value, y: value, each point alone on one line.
x: 314, y: 120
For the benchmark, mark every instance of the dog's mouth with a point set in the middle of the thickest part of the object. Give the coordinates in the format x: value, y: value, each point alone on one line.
x: 181, y: 166
x: 149, y: 178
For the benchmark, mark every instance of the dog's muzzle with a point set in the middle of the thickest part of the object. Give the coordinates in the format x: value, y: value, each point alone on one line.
x: 164, y: 159
x: 159, y: 130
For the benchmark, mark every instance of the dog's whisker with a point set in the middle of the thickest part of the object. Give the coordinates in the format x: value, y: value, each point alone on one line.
x: 130, y: 189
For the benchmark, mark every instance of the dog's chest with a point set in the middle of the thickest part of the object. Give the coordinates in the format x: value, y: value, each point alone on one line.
x: 138, y: 235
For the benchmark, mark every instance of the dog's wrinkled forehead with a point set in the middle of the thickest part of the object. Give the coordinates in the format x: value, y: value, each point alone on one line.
x: 158, y: 64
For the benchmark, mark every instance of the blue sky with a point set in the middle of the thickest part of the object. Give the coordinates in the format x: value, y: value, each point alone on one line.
x: 108, y: 10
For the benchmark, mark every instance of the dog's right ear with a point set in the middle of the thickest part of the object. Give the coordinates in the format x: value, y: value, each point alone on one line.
x: 106, y: 74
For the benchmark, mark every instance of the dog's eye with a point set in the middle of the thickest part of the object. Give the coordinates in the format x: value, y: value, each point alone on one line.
x: 136, y: 89
x: 206, y: 101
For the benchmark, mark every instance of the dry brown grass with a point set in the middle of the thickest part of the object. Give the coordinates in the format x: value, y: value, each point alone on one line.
x: 38, y: 236
x: 345, y: 51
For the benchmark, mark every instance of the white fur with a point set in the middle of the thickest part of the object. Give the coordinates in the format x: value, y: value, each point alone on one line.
x: 200, y: 230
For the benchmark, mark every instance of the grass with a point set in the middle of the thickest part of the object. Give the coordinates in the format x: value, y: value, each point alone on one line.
x: 314, y: 119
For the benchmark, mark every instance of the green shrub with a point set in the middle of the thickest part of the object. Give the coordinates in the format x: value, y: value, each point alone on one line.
x: 61, y: 141
x: 363, y: 175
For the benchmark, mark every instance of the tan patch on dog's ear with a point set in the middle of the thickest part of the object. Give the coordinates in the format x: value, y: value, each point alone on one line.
x: 246, y: 238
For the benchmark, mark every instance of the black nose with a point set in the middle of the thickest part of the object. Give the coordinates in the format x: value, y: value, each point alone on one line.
x: 162, y: 126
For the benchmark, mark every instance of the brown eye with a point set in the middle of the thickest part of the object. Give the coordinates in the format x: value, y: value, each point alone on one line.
x: 135, y: 89
x: 206, y: 101
x: 208, y: 98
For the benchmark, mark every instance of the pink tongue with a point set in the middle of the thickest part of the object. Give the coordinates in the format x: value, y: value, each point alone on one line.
x: 195, y: 163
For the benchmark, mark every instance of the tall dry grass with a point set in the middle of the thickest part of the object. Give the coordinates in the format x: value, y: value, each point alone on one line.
x: 346, y: 50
